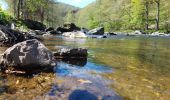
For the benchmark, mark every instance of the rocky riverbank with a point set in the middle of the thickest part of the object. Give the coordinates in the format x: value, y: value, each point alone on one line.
x: 33, y: 56
x: 52, y: 75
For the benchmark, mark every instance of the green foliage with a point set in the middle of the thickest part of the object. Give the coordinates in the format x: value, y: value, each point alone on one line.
x: 137, y: 14
x: 70, y: 16
x: 5, y: 19
x: 92, y: 22
x: 123, y: 14
x: 49, y: 12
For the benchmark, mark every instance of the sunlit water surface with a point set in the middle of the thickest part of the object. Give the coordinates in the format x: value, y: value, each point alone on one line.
x: 138, y: 66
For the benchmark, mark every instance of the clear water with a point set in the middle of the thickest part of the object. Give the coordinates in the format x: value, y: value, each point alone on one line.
x: 136, y: 67
x: 139, y: 65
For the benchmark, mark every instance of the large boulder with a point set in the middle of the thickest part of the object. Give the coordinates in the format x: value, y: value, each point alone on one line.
x: 9, y: 37
x: 75, y: 53
x: 55, y: 32
x: 77, y: 34
x: 27, y: 55
x: 97, y: 31
x: 34, y: 25
x: 68, y: 27
x: 49, y: 29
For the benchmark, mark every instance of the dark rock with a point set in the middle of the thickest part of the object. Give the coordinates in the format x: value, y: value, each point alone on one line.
x: 10, y: 37
x: 98, y: 36
x: 68, y: 27
x: 28, y: 56
x: 104, y: 36
x: 112, y: 34
x: 34, y: 25
x: 71, y: 53
x: 50, y: 29
x: 97, y: 31
x: 55, y: 32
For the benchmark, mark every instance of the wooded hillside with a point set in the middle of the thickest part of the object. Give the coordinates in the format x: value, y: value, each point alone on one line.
x: 114, y: 15
x: 126, y: 15
x: 49, y: 12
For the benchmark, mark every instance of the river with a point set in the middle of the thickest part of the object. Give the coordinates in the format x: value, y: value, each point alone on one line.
x: 133, y: 67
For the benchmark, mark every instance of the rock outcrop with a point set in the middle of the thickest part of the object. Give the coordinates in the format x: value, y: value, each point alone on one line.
x: 55, y: 32
x: 10, y: 37
x: 68, y: 27
x: 49, y: 29
x: 34, y: 25
x: 28, y: 56
x: 75, y: 53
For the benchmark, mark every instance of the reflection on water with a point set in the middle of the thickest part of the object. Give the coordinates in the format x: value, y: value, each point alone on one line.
x: 141, y: 64
x: 65, y: 69
x: 78, y: 62
x: 138, y: 68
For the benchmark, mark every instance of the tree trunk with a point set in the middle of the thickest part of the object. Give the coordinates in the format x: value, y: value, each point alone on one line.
x: 147, y: 15
x: 22, y: 8
x: 158, y: 14
x: 42, y: 14
x: 18, y: 9
x: 15, y: 8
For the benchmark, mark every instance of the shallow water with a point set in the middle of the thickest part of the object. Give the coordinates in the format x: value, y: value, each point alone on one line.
x: 135, y: 67
x: 140, y: 65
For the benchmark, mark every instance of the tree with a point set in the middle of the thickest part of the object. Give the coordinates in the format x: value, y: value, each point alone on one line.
x: 151, y: 2
x: 137, y: 14
x: 158, y: 13
x: 146, y: 3
x: 70, y: 16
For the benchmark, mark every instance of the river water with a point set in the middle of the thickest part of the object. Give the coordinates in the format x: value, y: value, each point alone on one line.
x: 140, y: 65
x: 133, y: 67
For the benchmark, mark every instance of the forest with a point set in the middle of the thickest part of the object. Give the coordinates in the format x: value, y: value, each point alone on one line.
x: 49, y: 12
x: 114, y: 15
x: 126, y: 15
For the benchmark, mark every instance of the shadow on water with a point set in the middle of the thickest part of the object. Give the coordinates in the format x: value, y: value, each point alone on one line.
x: 85, y: 95
x: 82, y: 95
x: 78, y: 62
x: 2, y: 87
